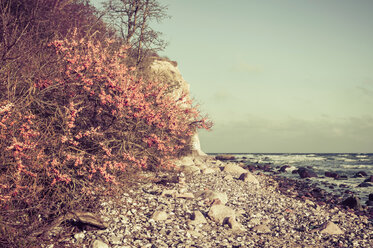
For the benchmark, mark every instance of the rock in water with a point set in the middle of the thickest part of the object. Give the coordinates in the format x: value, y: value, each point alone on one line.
x: 224, y: 157
x: 361, y: 174
x: 352, y: 202
x: 305, y: 172
x: 369, y: 179
x: 365, y: 184
x: 331, y: 174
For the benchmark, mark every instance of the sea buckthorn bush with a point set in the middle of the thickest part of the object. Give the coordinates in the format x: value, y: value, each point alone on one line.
x: 88, y: 120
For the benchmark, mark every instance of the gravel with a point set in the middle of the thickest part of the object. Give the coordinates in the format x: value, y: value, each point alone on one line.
x: 268, y: 218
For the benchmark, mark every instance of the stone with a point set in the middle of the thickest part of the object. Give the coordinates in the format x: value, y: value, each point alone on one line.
x: 365, y: 184
x: 197, y: 218
x: 116, y: 240
x: 250, y: 167
x: 224, y: 157
x: 234, y: 169
x: 194, y: 233
x: 331, y: 174
x: 209, y: 171
x: 88, y: 218
x: 306, y: 173
x: 99, y: 244
x: 198, y: 161
x: 186, y: 161
x: 331, y: 228
x: 187, y: 195
x: 79, y: 236
x: 248, y: 178
x: 265, y: 167
x: 212, y: 195
x: 234, y: 225
x: 341, y: 177
x: 369, y: 179
x: 228, y: 177
x: 201, y: 166
x: 220, y: 213
x: 352, y: 202
x: 169, y: 192
x: 159, y: 216
x: 361, y: 174
x: 261, y: 229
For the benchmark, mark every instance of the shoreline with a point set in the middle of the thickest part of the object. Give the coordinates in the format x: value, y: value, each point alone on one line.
x: 181, y: 209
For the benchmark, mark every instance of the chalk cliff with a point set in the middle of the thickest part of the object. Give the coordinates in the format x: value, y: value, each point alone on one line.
x: 167, y: 72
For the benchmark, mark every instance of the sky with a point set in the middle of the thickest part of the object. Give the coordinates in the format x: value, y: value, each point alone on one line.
x: 293, y: 76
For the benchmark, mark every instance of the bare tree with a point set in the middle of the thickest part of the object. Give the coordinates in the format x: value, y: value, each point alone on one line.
x: 132, y: 19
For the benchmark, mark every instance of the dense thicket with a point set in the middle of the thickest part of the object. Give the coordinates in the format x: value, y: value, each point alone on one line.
x: 74, y: 116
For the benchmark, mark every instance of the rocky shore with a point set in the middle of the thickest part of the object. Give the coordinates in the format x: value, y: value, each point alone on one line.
x: 210, y: 203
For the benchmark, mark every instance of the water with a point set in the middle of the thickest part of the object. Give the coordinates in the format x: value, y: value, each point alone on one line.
x: 347, y: 164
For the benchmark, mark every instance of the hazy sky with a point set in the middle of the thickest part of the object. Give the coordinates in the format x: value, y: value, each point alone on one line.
x: 277, y: 76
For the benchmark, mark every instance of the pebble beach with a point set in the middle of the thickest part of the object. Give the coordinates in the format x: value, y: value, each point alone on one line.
x: 212, y: 203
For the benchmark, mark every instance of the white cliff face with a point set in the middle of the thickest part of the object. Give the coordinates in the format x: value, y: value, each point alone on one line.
x: 166, y: 72
x: 196, y: 145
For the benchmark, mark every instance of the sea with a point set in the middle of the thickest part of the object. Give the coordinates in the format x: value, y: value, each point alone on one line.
x: 345, y: 164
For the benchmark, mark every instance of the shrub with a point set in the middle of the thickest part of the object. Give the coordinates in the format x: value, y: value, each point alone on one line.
x: 86, y: 123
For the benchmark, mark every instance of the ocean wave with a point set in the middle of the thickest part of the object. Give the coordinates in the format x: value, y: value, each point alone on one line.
x: 356, y: 166
x: 361, y: 156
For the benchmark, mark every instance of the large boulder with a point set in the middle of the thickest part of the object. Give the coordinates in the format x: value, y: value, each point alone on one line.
x: 360, y: 174
x: 306, y: 173
x: 99, y: 244
x: 331, y: 174
x: 331, y: 228
x: 248, y: 178
x: 234, y: 169
x: 365, y: 184
x: 234, y: 225
x: 221, y: 213
x: 159, y: 215
x: 197, y: 218
x: 352, y: 202
x: 369, y: 179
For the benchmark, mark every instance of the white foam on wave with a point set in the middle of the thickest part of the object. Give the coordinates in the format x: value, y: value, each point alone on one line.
x: 361, y: 156
x: 296, y: 158
x: 356, y: 166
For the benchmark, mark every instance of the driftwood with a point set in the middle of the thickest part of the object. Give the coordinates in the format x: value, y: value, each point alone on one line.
x: 85, y: 218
